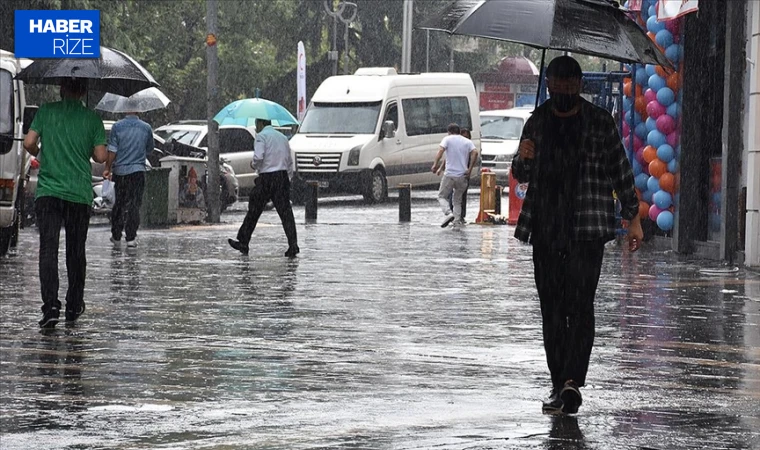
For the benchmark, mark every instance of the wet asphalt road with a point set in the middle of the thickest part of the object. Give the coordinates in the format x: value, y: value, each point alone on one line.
x: 380, y: 335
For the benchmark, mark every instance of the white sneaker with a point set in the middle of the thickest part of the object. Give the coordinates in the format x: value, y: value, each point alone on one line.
x: 132, y: 243
x: 449, y: 218
x: 115, y: 241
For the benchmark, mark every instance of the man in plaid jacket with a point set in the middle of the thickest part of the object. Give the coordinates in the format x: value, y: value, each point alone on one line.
x: 572, y: 156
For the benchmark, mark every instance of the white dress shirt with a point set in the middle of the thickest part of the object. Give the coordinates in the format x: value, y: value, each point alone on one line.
x: 271, y: 152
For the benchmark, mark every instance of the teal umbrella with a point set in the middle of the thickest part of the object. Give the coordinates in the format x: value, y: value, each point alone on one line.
x: 245, y: 112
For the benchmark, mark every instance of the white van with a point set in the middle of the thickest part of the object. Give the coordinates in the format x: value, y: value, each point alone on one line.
x: 366, y: 132
x: 501, y: 130
x: 13, y: 157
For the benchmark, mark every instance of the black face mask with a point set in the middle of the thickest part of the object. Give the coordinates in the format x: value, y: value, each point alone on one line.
x: 563, y: 102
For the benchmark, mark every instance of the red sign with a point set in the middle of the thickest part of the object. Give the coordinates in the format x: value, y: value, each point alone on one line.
x: 496, y: 100
x: 496, y: 87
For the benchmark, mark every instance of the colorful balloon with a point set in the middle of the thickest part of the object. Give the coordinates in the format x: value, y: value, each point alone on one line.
x: 656, y: 82
x: 651, y: 124
x: 673, y: 166
x: 641, y: 103
x: 650, y: 69
x: 662, y: 199
x: 641, y: 181
x: 654, y: 211
x: 664, y: 38
x: 649, y: 96
x: 653, y: 26
x: 673, y: 139
x: 653, y: 185
x: 649, y: 154
x: 666, y: 124
x: 641, y: 77
x: 668, y: 183
x: 641, y: 131
x: 665, y: 153
x: 673, y: 81
x: 655, y: 109
x: 657, y: 168
x: 665, y: 220
x: 665, y: 96
x: 643, y: 209
x: 674, y: 111
x: 656, y: 139
x: 673, y: 53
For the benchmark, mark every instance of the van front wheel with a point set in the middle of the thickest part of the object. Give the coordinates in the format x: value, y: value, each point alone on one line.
x: 376, y: 190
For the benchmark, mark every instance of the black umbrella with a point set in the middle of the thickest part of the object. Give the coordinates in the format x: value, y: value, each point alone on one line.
x: 593, y: 27
x: 114, y: 72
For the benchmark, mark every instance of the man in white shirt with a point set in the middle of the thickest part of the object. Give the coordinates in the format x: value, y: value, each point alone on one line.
x: 273, y: 163
x: 460, y: 158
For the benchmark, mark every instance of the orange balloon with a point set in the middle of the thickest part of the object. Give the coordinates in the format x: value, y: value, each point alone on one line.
x: 627, y: 88
x: 674, y: 81
x: 667, y: 182
x: 651, y: 36
x: 661, y: 71
x: 641, y: 105
x: 650, y: 154
x: 657, y: 168
x: 643, y: 209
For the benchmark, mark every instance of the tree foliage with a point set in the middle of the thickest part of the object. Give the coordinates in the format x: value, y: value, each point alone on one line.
x: 257, y: 45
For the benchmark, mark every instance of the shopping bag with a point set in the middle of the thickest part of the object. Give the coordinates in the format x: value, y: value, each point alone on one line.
x: 108, y: 192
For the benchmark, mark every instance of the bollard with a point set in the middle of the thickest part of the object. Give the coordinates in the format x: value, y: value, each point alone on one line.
x: 487, y: 198
x: 404, y: 202
x: 497, y: 207
x: 311, y: 197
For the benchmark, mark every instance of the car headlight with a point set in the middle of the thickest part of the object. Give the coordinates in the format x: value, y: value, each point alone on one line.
x: 353, y: 156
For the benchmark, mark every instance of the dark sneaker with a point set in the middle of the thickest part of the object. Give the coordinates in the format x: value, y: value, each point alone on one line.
x: 292, y: 251
x: 571, y: 397
x: 50, y: 319
x: 553, y: 404
x: 115, y: 241
x: 242, y: 248
x: 72, y: 316
x: 449, y: 218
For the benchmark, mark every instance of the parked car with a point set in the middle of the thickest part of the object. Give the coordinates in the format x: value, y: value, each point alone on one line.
x: 500, y: 137
x: 235, y: 146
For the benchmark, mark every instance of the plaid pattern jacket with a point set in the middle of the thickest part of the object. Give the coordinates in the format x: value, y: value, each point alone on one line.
x: 604, y: 167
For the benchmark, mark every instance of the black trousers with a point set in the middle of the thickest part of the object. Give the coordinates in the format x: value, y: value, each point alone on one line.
x: 75, y: 217
x: 566, y: 282
x: 125, y: 215
x: 274, y: 186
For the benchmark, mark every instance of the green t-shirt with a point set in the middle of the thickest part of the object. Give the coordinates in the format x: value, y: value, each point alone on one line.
x: 68, y: 133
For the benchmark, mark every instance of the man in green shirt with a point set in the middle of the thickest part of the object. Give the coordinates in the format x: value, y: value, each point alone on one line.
x: 70, y: 135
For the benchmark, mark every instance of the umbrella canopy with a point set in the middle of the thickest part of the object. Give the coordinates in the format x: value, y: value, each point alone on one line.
x: 593, y: 27
x: 114, y: 72
x: 143, y: 101
x: 245, y: 112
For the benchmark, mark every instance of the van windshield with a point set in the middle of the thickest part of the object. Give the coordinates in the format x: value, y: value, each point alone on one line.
x: 500, y: 127
x: 341, y: 118
x: 6, y: 102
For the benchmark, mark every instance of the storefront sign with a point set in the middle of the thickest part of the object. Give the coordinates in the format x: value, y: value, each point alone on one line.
x: 496, y: 87
x: 496, y: 100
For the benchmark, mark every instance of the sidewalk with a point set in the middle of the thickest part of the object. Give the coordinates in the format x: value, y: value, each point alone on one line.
x: 380, y: 335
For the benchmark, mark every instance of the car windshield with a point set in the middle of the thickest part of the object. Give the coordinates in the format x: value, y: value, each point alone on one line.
x: 341, y: 118
x: 6, y: 102
x: 181, y: 136
x: 500, y: 127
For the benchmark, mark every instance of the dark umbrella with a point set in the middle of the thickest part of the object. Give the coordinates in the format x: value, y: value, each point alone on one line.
x: 593, y: 27
x: 114, y: 72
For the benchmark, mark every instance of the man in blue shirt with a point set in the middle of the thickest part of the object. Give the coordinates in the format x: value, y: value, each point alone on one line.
x: 130, y: 143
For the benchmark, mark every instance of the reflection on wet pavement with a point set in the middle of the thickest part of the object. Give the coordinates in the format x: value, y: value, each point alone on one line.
x: 380, y: 335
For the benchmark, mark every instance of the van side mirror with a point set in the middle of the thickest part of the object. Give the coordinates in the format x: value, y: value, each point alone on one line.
x: 29, y: 113
x: 388, y: 130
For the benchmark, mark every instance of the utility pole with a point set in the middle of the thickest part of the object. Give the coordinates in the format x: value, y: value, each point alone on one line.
x: 333, y: 54
x: 427, y: 52
x: 347, y: 21
x: 406, y: 39
x: 212, y: 159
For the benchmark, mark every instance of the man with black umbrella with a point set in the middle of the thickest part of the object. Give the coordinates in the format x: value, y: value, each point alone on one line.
x: 572, y: 156
x: 70, y: 135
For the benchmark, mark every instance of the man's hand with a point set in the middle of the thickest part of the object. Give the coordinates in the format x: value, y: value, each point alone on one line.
x: 527, y: 149
x: 635, y: 234
x: 434, y: 168
x: 107, y: 174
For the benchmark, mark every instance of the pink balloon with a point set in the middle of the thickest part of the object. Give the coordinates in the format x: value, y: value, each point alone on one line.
x: 650, y: 95
x: 626, y: 129
x: 654, y: 211
x: 645, y: 167
x: 674, y: 26
x: 637, y: 142
x: 666, y: 124
x: 673, y: 139
x: 639, y: 155
x: 655, y: 109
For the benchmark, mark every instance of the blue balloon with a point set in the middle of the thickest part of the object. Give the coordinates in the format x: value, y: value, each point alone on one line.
x: 673, y: 53
x: 641, y: 180
x: 641, y: 130
x: 656, y: 82
x: 664, y: 38
x: 637, y: 170
x: 646, y: 196
x: 665, y: 153
x: 673, y: 166
x: 651, y: 11
x: 662, y: 199
x: 655, y: 138
x: 653, y: 25
x: 627, y: 103
x: 650, y: 68
x: 717, y: 199
x: 642, y: 77
x: 636, y: 118
x: 674, y: 110
x: 651, y: 124
x: 653, y: 184
x: 665, y: 220
x: 666, y: 96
